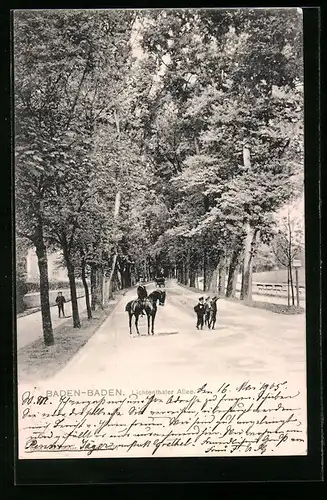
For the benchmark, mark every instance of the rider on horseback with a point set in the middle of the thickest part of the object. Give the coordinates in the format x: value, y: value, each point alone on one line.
x: 142, y: 295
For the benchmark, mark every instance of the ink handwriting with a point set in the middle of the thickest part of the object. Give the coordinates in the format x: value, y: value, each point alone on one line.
x: 207, y: 421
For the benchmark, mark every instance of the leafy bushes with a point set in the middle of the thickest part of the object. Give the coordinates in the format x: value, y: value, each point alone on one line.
x: 21, y: 290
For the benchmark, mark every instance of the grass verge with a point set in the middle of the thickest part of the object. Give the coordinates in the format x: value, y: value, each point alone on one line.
x: 269, y: 306
x: 27, y: 312
x: 37, y: 361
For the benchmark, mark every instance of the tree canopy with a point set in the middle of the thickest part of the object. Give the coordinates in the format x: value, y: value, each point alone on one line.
x: 156, y: 138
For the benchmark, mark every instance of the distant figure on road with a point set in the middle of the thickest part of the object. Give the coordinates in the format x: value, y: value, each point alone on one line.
x: 200, y: 311
x: 60, y: 300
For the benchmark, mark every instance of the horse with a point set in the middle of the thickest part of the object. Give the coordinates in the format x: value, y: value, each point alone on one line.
x: 212, y: 313
x: 149, y: 305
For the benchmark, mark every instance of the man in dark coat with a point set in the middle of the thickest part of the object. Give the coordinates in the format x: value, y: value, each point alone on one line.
x: 207, y: 307
x: 213, y: 313
x: 200, y: 311
x: 142, y: 292
x: 142, y: 295
x: 60, y: 300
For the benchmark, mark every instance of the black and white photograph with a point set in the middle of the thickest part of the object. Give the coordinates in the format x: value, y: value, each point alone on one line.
x: 160, y: 233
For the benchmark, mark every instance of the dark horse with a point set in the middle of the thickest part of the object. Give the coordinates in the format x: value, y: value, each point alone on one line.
x: 212, y: 313
x: 149, y: 305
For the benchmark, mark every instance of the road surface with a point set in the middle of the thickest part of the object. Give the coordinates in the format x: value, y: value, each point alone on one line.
x: 247, y: 342
x: 29, y: 328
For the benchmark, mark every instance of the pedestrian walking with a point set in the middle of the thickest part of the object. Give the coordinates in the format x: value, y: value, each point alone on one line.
x: 213, y: 313
x: 200, y: 311
x: 207, y: 307
x: 60, y: 301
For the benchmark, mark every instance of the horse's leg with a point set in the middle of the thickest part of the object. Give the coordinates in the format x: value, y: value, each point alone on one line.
x: 130, y: 323
x: 137, y: 323
x: 149, y: 317
x: 153, y: 317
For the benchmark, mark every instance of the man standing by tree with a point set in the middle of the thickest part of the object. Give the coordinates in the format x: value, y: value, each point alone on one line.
x: 60, y: 300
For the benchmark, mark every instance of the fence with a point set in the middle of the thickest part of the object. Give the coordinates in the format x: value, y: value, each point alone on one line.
x: 261, y: 288
x: 279, y: 289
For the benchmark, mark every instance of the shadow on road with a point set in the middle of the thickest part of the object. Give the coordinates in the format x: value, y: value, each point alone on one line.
x: 167, y: 333
x: 157, y: 334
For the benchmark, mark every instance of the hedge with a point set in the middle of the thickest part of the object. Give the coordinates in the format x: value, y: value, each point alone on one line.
x: 53, y: 285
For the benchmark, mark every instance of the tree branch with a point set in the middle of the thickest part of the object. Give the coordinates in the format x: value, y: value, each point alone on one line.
x: 70, y: 114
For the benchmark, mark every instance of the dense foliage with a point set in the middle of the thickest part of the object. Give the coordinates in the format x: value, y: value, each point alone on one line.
x: 155, y: 139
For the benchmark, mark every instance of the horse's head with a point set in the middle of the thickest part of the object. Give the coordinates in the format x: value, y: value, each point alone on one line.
x: 158, y: 295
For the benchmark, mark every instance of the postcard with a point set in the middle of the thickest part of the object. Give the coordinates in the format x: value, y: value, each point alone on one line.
x: 160, y: 233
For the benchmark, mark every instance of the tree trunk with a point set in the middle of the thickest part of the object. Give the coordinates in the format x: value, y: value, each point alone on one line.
x: 112, y: 270
x: 127, y: 277
x: 187, y: 269
x: 73, y: 294
x: 144, y: 270
x: 214, y: 280
x: 192, y: 276
x: 116, y: 284
x: 86, y: 289
x: 209, y: 276
x: 292, y: 284
x: 247, y: 262
x: 198, y: 274
x: 42, y: 260
x: 100, y: 286
x: 93, y: 287
x: 196, y: 146
x: 246, y: 292
x: 120, y: 278
x: 204, y: 270
x: 107, y: 297
x: 222, y: 277
x: 232, y: 273
x: 146, y: 273
x: 182, y: 273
